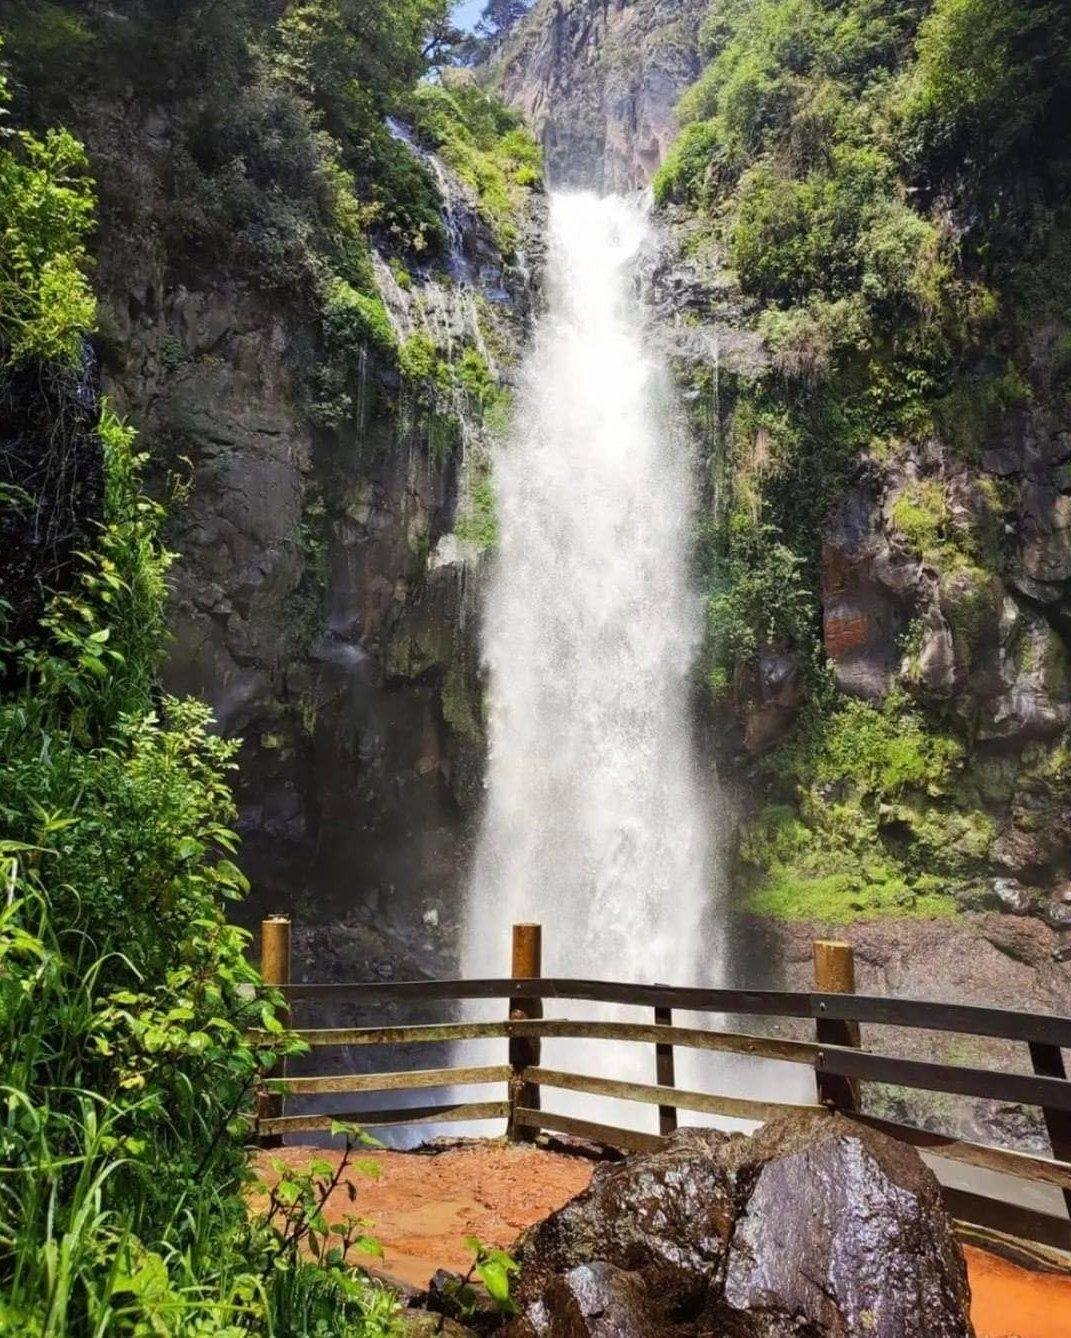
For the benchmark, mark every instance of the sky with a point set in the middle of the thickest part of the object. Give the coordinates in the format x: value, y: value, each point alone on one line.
x: 467, y: 12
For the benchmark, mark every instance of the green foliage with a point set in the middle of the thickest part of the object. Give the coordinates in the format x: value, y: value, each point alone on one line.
x: 486, y: 145
x: 871, y: 823
x: 126, y: 997
x: 46, y: 212
x: 993, y: 86
x: 890, y: 182
x: 759, y: 600
x: 477, y: 522
x: 355, y: 319
x: 494, y: 1268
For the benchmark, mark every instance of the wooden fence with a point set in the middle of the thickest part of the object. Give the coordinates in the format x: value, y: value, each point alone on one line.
x: 836, y: 1055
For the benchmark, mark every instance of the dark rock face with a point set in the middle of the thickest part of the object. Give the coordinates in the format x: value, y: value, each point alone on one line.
x: 598, y: 83
x: 51, y: 497
x: 813, y: 1226
x: 309, y: 547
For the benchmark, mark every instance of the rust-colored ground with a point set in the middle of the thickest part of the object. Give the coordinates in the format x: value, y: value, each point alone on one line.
x: 1012, y: 1302
x: 423, y: 1205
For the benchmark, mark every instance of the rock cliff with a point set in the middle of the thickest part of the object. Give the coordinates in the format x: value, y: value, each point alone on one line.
x: 598, y: 82
x: 312, y: 334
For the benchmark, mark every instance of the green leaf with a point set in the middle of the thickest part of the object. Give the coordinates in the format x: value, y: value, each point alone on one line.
x: 495, y: 1279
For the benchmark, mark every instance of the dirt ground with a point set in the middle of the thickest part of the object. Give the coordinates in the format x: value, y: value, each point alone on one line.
x: 423, y: 1204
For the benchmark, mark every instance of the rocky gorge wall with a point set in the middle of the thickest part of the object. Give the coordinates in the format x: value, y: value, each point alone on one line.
x: 317, y: 390
x: 598, y: 83
x: 321, y: 602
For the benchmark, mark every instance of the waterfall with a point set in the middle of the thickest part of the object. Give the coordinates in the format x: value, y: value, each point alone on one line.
x: 598, y: 820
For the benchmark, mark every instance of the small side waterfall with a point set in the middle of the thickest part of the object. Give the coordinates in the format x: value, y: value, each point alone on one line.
x: 598, y: 820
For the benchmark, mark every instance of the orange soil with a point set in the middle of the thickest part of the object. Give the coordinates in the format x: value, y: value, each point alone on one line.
x: 423, y: 1205
x: 1012, y: 1302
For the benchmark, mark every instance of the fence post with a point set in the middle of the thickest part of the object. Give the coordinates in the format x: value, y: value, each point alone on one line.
x: 274, y: 970
x: 834, y: 973
x: 667, y: 1115
x: 524, y: 1051
x: 1048, y: 1062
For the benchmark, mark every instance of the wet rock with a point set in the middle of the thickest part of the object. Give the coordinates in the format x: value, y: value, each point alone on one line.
x: 1033, y: 700
x: 767, y: 697
x: 1020, y: 852
x: 849, y: 1235
x: 1057, y: 913
x: 1013, y: 896
x: 811, y: 1226
x: 863, y: 618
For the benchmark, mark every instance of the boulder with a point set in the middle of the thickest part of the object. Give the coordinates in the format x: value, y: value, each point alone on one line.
x: 812, y: 1226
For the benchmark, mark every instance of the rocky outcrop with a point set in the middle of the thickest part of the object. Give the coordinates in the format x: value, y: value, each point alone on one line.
x: 811, y: 1226
x: 1003, y: 960
x: 317, y: 603
x: 307, y: 532
x: 51, y: 498
x: 598, y: 83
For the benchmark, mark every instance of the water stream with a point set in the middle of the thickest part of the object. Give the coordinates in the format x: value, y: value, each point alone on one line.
x: 599, y: 821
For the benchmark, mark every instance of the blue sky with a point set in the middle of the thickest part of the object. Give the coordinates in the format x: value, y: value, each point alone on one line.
x: 467, y: 12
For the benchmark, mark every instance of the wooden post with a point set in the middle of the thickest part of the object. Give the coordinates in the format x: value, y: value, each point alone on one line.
x: 667, y: 1115
x: 834, y: 973
x: 1048, y: 1062
x: 274, y: 970
x: 524, y: 1051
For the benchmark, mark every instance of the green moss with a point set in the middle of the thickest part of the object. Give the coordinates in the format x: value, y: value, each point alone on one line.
x: 922, y: 518
x: 839, y: 898
x: 487, y: 146
x: 476, y: 523
x: 474, y: 377
x: 358, y: 319
x: 444, y: 436
x: 402, y: 277
x: 417, y: 357
x: 459, y: 710
x: 971, y: 600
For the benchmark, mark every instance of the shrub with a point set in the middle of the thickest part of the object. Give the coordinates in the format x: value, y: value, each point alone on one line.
x: 46, y: 211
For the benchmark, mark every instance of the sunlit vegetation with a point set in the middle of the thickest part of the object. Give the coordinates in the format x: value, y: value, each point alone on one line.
x: 889, y: 181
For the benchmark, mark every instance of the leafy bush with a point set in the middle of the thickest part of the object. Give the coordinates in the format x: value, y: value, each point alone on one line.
x: 126, y: 998
x: 486, y: 145
x: 46, y: 210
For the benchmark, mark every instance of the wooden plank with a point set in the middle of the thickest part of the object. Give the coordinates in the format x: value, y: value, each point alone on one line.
x: 434, y: 1032
x: 967, y: 1018
x: 1023, y: 1164
x: 764, y: 1047
x: 631, y: 1140
x: 688, y: 1038
x: 651, y: 1094
x: 1008, y: 1218
x: 664, y: 1072
x: 771, y: 1003
x: 963, y: 1081
x: 371, y: 1119
x: 524, y: 1051
x: 1048, y: 1062
x: 386, y: 1082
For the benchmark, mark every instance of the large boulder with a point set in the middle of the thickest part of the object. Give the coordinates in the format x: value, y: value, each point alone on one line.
x: 812, y: 1226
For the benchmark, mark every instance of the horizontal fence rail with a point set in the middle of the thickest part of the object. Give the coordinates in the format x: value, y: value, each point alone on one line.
x: 998, y: 1023
x: 836, y: 1056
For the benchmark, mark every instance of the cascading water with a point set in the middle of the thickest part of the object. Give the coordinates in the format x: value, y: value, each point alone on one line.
x: 598, y: 821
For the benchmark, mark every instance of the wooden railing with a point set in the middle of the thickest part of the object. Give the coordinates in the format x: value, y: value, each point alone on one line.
x: 835, y: 1055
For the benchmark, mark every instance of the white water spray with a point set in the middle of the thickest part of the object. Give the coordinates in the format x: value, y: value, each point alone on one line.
x: 598, y: 822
